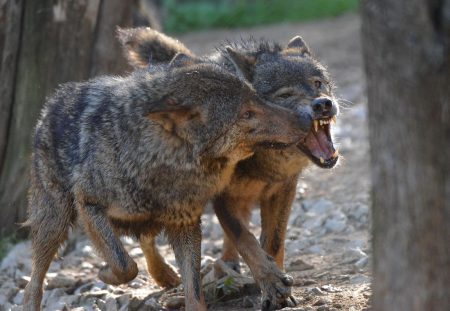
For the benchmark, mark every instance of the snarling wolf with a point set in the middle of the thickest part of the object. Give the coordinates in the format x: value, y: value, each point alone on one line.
x: 289, y: 77
x: 141, y: 154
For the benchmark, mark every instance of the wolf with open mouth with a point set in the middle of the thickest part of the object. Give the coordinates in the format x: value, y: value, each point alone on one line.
x: 288, y: 76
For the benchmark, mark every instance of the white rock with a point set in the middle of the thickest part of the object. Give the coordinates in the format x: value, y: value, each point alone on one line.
x: 136, y: 252
x: 336, y: 223
x: 316, y: 291
x: 361, y: 263
x: 18, y: 258
x: 87, y: 265
x: 61, y: 280
x: 52, y: 297
x: 359, y: 279
x: 312, y: 221
x: 18, y: 299
x: 110, y: 304
x: 320, y: 206
x: 353, y: 255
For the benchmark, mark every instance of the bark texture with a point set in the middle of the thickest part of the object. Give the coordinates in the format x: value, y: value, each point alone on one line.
x: 407, y: 59
x: 42, y: 44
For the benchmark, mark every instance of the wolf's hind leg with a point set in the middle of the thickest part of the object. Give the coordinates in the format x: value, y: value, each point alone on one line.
x: 162, y: 273
x: 121, y: 267
x: 49, y: 228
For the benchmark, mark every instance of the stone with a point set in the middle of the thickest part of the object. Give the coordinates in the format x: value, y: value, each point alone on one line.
x: 174, y: 302
x: 353, y: 255
x: 96, y: 294
x: 18, y: 258
x: 359, y: 279
x: 320, y: 206
x: 311, y: 221
x: 83, y: 288
x: 322, y: 301
x: 52, y: 297
x: 336, y: 223
x: 152, y: 305
x: 298, y: 265
x: 7, y: 291
x: 111, y: 304
x: 18, y: 299
x: 124, y: 300
x: 61, y: 280
x: 316, y: 291
x: 87, y: 265
x: 362, y: 262
x: 330, y: 289
x: 23, y: 281
x: 136, y: 252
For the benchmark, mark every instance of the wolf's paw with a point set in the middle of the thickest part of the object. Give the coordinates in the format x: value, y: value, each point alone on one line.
x: 276, y: 288
x: 108, y: 276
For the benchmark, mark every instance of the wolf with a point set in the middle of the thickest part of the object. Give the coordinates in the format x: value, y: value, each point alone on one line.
x: 139, y: 154
x: 289, y: 77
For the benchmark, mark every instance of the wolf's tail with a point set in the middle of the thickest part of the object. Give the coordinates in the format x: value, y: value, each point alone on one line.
x: 143, y: 46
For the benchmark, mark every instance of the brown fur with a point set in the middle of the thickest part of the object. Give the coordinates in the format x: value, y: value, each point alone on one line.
x: 289, y: 77
x: 120, y: 155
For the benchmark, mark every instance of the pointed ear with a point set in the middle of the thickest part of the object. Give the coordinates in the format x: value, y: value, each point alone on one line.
x: 298, y: 45
x: 244, y: 64
x: 182, y: 60
x: 169, y: 113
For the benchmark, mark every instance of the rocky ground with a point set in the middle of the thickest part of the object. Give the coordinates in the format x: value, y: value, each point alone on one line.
x: 327, y: 250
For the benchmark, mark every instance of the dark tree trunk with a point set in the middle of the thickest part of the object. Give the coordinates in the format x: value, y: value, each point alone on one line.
x: 42, y: 44
x: 407, y: 58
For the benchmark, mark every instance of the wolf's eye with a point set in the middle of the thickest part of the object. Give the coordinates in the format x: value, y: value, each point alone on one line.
x: 318, y: 84
x: 285, y: 95
x: 248, y: 114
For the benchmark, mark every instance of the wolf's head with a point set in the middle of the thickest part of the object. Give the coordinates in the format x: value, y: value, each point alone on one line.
x: 291, y: 77
x: 286, y: 76
x: 215, y: 112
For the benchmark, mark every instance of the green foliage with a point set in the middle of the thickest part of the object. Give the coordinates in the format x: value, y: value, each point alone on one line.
x: 189, y: 15
x: 228, y: 287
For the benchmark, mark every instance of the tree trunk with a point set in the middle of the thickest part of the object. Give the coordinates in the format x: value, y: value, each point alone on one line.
x: 44, y: 43
x: 407, y: 59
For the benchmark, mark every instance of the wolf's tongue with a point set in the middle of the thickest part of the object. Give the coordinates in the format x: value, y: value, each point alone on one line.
x: 319, y: 145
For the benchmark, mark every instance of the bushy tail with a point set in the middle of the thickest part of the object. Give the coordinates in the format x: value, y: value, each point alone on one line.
x: 144, y: 45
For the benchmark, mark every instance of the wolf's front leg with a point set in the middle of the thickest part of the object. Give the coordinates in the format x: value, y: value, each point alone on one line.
x: 186, y: 243
x: 275, y: 285
x: 275, y: 211
x: 121, y: 267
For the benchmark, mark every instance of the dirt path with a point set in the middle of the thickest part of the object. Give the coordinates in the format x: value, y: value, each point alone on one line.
x: 327, y: 250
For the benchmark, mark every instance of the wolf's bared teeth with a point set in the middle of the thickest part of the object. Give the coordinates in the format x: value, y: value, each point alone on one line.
x: 335, y: 154
x: 322, y: 160
x: 316, y: 125
x: 333, y: 119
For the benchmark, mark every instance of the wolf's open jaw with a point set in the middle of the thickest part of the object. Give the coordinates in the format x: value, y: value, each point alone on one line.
x: 318, y: 144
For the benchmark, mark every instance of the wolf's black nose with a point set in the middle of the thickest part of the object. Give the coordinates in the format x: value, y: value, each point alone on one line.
x: 322, y: 105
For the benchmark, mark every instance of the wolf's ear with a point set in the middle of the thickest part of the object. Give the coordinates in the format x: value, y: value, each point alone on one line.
x: 144, y: 45
x: 245, y: 64
x: 182, y: 60
x: 169, y: 113
x: 299, y: 45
